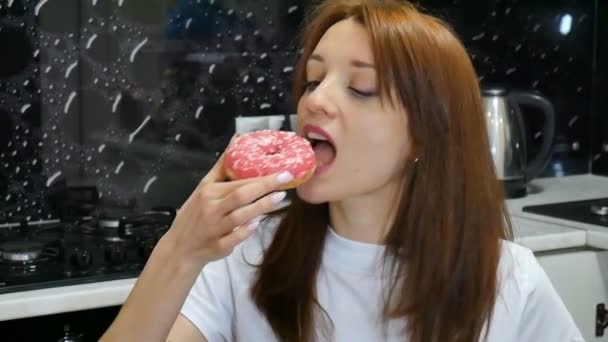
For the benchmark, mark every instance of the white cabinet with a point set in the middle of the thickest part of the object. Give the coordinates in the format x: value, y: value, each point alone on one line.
x: 581, y: 279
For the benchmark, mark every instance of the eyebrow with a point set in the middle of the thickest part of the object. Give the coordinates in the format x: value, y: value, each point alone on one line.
x: 355, y: 62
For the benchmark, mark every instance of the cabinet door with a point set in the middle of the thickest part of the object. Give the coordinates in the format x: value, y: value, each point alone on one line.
x: 581, y: 279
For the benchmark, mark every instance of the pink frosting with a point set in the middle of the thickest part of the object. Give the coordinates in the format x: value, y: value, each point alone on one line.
x: 266, y: 152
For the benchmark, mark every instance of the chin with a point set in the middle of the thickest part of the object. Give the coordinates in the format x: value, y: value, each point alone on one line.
x: 312, y: 194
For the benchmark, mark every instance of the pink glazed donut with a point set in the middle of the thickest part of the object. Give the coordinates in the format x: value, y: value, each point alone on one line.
x: 266, y: 152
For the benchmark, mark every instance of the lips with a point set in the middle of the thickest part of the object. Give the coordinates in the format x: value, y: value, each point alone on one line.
x: 315, y: 133
x: 323, y: 145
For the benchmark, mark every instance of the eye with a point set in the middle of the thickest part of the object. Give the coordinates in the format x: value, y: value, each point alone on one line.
x: 311, y: 85
x: 363, y: 94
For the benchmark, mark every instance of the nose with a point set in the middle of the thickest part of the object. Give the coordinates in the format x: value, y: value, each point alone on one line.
x: 322, y: 100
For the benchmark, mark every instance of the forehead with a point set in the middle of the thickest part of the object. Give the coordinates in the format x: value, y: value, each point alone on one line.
x: 346, y: 38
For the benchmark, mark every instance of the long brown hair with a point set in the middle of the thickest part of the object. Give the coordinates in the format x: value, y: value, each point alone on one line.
x: 451, y: 215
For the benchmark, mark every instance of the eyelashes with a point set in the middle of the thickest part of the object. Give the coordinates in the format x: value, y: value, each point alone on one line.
x: 310, y: 86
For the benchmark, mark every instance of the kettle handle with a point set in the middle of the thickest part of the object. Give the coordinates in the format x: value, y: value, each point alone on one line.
x: 537, y: 164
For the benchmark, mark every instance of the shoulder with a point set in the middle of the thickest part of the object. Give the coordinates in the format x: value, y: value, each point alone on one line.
x: 527, y: 299
x: 220, y: 291
x: 519, y: 272
x: 516, y: 264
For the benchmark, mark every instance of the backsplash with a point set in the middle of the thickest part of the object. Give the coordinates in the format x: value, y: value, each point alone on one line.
x: 600, y: 98
x: 535, y: 46
x: 138, y: 97
x: 133, y: 97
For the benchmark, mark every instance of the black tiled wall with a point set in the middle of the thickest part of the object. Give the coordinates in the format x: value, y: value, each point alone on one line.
x: 137, y: 97
x: 600, y: 95
x: 538, y: 46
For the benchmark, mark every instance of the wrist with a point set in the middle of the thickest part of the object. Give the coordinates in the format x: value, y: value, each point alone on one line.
x: 176, y: 257
x: 165, y: 282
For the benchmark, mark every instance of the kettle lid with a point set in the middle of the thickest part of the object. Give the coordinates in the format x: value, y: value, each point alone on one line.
x: 494, y: 91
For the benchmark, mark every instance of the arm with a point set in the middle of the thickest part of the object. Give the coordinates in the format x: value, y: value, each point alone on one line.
x: 203, y: 232
x: 152, y: 308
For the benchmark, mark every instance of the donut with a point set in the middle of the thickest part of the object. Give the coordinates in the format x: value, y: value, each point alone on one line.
x: 265, y: 152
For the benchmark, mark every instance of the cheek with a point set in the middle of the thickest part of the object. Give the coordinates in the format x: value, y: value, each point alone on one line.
x: 385, y: 148
x: 375, y: 155
x: 357, y: 170
x: 300, y: 109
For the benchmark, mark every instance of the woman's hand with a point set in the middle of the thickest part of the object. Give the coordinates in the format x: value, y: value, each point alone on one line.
x: 220, y: 214
x: 216, y: 217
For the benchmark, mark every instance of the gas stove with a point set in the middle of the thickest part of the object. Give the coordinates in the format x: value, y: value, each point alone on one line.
x: 108, y: 244
x: 591, y: 211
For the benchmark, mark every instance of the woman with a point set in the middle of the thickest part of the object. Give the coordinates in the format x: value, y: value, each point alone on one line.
x: 401, y: 235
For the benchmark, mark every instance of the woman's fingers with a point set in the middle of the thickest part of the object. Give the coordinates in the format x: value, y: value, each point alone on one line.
x: 251, y: 191
x: 248, y: 216
x: 216, y: 174
x: 218, y: 171
x: 224, y: 188
x: 227, y: 243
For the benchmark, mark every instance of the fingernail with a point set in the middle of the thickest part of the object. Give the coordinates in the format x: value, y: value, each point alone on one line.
x: 254, y: 224
x: 283, y: 204
x: 285, y: 177
x: 277, y: 197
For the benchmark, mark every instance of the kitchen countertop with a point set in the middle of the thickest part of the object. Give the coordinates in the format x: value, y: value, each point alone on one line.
x: 544, y: 233
x: 539, y: 233
x: 63, y: 299
x: 541, y: 236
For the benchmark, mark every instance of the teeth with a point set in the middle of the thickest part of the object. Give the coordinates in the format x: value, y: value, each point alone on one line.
x: 316, y: 136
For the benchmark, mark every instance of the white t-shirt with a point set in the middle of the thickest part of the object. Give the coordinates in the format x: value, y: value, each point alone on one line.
x: 350, y: 289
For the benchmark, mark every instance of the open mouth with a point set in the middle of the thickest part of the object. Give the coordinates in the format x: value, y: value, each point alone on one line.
x: 323, y: 145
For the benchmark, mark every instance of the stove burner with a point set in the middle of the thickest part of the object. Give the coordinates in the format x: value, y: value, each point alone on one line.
x: 601, y: 210
x: 592, y: 211
x: 27, y: 260
x: 21, y: 250
x: 114, y: 226
x: 104, y: 245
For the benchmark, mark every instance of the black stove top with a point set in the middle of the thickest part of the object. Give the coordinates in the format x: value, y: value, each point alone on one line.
x: 106, y: 245
x: 591, y: 211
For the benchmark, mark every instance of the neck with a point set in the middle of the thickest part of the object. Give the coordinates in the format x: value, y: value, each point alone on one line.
x: 365, y: 218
